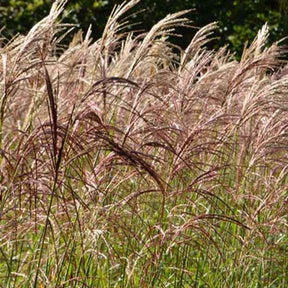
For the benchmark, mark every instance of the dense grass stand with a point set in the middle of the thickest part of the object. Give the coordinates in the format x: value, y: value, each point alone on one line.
x: 127, y: 162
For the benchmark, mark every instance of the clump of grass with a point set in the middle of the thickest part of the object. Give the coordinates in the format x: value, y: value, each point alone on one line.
x: 126, y: 162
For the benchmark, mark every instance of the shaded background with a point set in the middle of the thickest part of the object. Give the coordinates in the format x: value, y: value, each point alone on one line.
x: 239, y: 20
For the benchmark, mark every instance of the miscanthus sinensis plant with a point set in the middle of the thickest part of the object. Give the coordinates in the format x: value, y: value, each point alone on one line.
x: 127, y: 162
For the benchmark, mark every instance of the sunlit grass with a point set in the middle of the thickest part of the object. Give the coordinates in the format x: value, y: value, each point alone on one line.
x: 126, y: 162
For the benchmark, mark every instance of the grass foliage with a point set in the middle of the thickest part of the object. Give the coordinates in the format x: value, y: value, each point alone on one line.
x: 126, y: 162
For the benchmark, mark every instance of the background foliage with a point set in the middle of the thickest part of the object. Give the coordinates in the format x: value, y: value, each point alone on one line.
x: 239, y: 21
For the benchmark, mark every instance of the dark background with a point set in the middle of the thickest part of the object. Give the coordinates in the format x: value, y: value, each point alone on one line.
x: 239, y: 20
